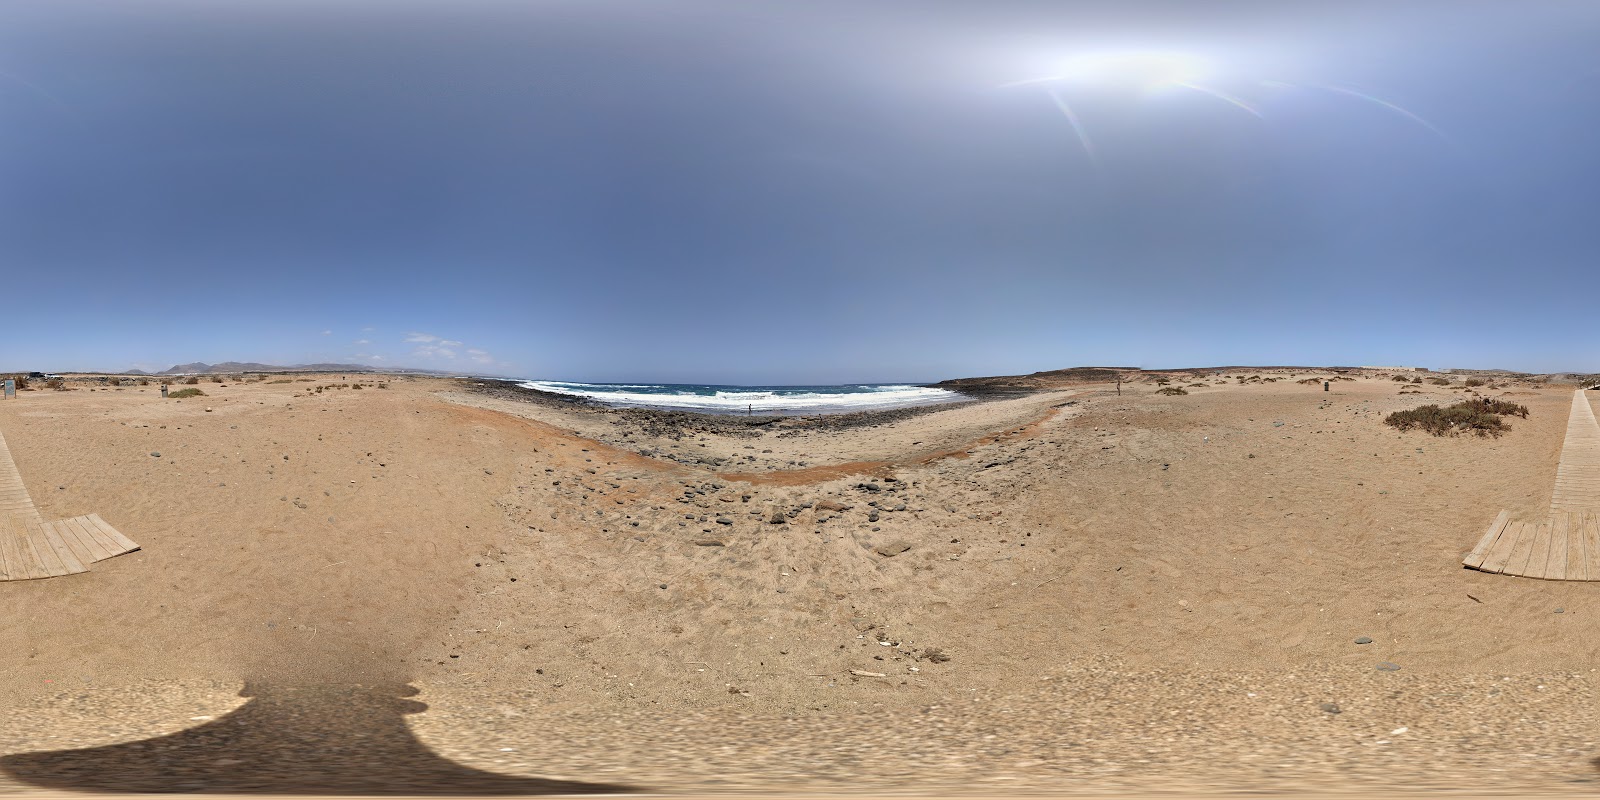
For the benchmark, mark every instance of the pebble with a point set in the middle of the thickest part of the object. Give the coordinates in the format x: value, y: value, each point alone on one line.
x: 154, y: 454
x: 1363, y: 640
x: 1332, y: 708
x: 1388, y: 666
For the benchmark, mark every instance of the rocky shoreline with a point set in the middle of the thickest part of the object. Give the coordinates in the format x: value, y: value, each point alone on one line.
x: 680, y: 424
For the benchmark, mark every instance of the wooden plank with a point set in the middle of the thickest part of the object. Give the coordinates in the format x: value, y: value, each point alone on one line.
x: 1531, y: 550
x: 107, y: 542
x: 127, y: 545
x: 87, y: 533
x: 48, y: 559
x: 1474, y: 559
x: 68, y: 558
x: 1591, y: 545
x: 83, y: 545
x: 1500, y: 553
x: 1577, y: 557
x: 8, y: 555
x: 1555, y: 566
x: 31, y: 568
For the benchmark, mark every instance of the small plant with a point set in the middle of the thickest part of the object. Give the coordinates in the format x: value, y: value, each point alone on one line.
x: 1474, y: 383
x: 182, y: 393
x: 1400, y: 379
x: 216, y: 379
x: 385, y: 385
x: 144, y: 381
x: 191, y: 381
x: 113, y: 381
x: 56, y: 384
x: 1171, y: 390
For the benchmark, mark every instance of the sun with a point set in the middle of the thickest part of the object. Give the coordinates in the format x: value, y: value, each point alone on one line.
x: 1139, y: 70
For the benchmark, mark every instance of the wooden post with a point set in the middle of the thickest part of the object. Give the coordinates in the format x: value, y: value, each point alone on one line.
x: 1325, y: 385
x: 1119, y: 385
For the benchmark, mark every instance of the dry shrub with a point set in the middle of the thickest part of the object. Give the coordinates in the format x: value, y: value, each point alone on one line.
x: 1171, y: 390
x: 191, y: 381
x: 1481, y: 417
x: 182, y: 393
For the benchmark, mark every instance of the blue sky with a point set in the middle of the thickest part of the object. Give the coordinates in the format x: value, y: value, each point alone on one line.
x: 766, y: 192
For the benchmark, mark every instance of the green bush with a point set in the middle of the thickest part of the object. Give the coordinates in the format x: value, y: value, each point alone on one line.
x: 1171, y: 390
x: 182, y: 393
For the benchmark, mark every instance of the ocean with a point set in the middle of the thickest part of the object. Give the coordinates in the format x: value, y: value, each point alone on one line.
x: 710, y: 399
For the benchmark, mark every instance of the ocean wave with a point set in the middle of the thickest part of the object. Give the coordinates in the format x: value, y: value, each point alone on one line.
x: 771, y: 400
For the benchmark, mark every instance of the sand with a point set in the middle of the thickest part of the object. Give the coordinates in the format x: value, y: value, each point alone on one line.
x: 1134, y: 592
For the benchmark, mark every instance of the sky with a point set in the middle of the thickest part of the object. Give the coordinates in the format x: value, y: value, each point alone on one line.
x: 750, y: 192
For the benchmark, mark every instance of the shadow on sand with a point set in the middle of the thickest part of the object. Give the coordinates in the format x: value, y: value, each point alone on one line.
x: 285, y: 740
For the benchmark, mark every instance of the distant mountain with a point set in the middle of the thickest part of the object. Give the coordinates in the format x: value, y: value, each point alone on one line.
x: 235, y: 367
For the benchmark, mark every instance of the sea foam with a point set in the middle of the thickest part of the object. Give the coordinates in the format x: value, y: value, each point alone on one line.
x: 762, y: 399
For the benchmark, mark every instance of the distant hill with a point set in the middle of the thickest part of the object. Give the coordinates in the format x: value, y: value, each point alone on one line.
x: 234, y: 367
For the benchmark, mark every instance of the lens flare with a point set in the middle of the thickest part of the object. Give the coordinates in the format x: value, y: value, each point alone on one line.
x: 1223, y: 96
x: 1072, y: 119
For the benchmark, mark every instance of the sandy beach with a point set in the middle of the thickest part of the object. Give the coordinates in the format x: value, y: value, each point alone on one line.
x: 1067, y: 590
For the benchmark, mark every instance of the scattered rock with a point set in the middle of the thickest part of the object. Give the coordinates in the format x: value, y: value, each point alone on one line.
x: 777, y: 517
x: 724, y: 521
x: 154, y: 454
x: 709, y: 543
x: 1388, y: 666
x: 1363, y: 640
x: 891, y: 550
x: 1332, y: 708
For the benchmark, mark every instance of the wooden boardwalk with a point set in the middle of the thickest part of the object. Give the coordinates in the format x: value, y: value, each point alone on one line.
x: 32, y: 548
x: 1566, y: 546
x: 1578, y: 477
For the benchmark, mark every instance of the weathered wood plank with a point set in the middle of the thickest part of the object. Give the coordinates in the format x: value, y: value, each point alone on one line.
x: 69, y: 559
x: 1500, y: 553
x: 1474, y: 559
x: 49, y: 560
x: 1577, y: 550
x: 98, y: 548
x: 1555, y: 566
x: 83, y: 546
x: 1530, y: 553
x: 32, y: 569
x: 1590, y: 523
x: 127, y: 545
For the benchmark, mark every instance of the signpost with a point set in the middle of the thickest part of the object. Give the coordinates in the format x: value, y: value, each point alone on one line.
x: 11, y: 388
